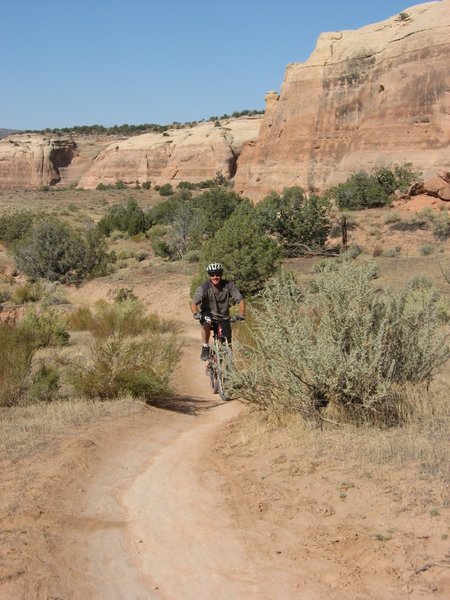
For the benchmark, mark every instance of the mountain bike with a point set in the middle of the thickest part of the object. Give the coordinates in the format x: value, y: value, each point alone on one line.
x: 220, y: 362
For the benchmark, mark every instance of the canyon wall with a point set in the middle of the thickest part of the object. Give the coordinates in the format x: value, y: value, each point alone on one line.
x: 187, y: 154
x: 29, y: 161
x: 371, y: 97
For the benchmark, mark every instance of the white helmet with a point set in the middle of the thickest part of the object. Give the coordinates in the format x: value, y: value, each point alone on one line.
x: 214, y: 268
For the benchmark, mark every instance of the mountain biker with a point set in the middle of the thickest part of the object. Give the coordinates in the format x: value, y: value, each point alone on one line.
x: 213, y: 298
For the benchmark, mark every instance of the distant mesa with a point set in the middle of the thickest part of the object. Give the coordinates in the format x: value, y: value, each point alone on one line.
x: 373, y: 97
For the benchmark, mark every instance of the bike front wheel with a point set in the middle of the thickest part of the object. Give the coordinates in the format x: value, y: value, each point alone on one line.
x: 224, y: 371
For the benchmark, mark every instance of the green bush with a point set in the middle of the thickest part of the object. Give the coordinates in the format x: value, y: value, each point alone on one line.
x: 166, y: 190
x: 364, y: 190
x: 53, y: 250
x: 300, y: 224
x: 120, y: 366
x: 130, y: 219
x: 249, y: 256
x: 349, y: 346
x: 14, y: 226
x: 44, y: 385
x: 46, y: 327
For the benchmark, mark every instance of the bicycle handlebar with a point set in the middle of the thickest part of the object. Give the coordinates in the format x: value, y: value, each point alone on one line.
x: 211, y: 319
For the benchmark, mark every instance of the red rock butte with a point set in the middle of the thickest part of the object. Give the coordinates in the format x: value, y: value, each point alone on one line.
x: 372, y: 97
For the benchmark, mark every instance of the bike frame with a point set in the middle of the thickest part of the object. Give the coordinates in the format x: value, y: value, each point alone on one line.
x: 220, y: 360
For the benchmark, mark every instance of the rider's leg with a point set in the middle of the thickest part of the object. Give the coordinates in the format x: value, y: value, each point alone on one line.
x: 226, y: 331
x: 206, y: 333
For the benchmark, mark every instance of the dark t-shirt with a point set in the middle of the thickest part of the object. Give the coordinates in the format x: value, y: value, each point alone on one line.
x: 217, y: 301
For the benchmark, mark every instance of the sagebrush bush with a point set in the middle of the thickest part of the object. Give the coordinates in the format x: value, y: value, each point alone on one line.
x: 121, y: 365
x: 125, y: 316
x: 45, y: 326
x: 347, y: 346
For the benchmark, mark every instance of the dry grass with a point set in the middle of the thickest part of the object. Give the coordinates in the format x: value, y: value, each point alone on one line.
x: 419, y: 448
x: 28, y: 429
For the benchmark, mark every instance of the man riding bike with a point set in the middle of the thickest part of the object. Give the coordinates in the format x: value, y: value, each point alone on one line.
x: 213, y: 298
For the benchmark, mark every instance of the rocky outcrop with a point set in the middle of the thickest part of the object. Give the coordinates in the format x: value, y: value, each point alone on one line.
x: 28, y: 161
x: 189, y: 154
x: 436, y: 187
x: 376, y: 96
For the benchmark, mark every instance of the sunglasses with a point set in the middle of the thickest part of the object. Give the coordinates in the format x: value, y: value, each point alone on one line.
x: 215, y: 274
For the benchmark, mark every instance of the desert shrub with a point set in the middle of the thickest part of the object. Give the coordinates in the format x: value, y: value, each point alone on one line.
x: 14, y: 226
x: 16, y: 353
x: 28, y: 292
x: 166, y: 190
x: 164, y: 243
x: 192, y: 256
x: 365, y: 190
x: 413, y: 224
x: 186, y: 185
x: 46, y: 327
x: 53, y: 250
x: 141, y: 255
x: 391, y: 252
x: 348, y: 346
x: 164, y: 212
x: 249, y: 256
x: 44, y: 385
x: 353, y: 251
x: 420, y: 281
x: 391, y: 217
x: 120, y: 365
x: 441, y: 226
x: 301, y: 225
x: 125, y: 317
x: 426, y: 250
x: 211, y: 210
x: 5, y: 295
x: 130, y: 219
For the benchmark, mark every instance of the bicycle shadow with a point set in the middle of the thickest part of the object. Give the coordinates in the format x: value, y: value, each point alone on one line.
x: 186, y: 405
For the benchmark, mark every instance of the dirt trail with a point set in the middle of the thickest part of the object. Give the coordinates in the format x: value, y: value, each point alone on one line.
x: 153, y: 522
x: 165, y: 504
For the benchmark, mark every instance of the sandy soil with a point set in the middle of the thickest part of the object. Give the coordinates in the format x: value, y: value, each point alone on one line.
x: 173, y: 502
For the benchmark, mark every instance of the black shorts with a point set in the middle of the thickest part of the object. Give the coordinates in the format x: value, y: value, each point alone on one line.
x: 225, y: 326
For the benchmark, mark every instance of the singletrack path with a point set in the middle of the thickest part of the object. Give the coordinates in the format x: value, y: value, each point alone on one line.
x: 153, y: 523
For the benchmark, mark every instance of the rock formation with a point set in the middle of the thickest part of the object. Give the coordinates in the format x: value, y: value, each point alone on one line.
x: 28, y: 161
x: 373, y: 97
x: 187, y: 154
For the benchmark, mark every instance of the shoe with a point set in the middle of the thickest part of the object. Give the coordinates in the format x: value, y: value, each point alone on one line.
x: 205, y: 353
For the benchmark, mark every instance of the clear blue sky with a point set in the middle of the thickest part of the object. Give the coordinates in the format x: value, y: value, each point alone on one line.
x: 110, y: 62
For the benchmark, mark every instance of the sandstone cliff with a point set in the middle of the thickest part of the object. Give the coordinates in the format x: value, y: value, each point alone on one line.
x: 28, y: 161
x: 366, y: 98
x: 188, y: 154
